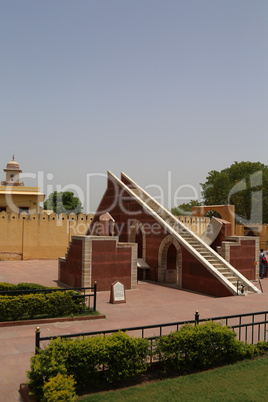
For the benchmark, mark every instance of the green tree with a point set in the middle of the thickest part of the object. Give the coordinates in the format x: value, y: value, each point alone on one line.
x: 243, y: 184
x: 185, y: 208
x: 63, y: 202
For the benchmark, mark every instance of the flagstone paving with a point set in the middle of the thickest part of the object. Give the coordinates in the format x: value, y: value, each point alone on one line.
x: 150, y: 304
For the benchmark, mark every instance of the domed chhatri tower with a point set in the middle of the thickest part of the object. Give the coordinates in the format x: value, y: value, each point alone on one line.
x: 14, y: 196
x: 12, y: 174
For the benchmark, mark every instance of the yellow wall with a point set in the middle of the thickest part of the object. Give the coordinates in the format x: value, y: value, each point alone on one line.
x: 14, y: 197
x: 197, y: 224
x: 227, y: 212
x: 39, y: 236
x: 42, y: 236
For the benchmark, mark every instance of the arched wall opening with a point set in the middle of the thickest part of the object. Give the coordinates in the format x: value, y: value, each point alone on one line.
x: 170, y: 258
x: 227, y: 212
x: 213, y: 212
x: 137, y: 235
x: 139, y: 241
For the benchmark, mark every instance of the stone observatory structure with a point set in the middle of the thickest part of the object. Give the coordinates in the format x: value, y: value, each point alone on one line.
x: 133, y: 237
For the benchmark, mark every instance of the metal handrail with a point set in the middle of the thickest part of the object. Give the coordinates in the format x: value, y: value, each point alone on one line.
x: 10, y: 293
x: 196, y: 321
x: 48, y: 290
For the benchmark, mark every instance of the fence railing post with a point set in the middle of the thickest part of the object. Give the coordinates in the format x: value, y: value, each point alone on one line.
x: 37, y: 339
x: 95, y: 296
x: 196, y: 318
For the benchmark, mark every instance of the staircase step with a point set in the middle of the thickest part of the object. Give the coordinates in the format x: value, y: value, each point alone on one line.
x: 188, y: 237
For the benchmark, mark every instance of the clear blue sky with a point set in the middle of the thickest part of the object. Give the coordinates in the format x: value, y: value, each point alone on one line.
x: 154, y: 88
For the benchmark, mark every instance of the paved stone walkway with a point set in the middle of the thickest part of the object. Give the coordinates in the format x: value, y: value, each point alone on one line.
x: 149, y: 304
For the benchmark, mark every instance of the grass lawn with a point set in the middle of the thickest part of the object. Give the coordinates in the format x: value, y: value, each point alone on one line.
x: 244, y: 381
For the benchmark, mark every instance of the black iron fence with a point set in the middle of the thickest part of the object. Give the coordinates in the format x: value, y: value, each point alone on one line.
x: 250, y: 328
x: 82, y: 292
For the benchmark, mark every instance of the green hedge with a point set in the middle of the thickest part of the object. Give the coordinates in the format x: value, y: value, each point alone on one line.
x: 121, y: 356
x: 200, y: 347
x: 54, y: 304
x: 5, y: 286
x: 102, y: 360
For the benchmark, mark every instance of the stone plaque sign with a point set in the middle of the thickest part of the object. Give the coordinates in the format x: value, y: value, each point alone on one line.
x: 117, y: 293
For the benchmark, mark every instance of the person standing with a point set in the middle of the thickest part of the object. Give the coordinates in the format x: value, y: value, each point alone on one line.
x: 262, y: 263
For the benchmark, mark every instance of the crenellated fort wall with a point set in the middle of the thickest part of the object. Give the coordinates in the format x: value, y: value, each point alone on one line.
x: 42, y: 236
x: 39, y: 236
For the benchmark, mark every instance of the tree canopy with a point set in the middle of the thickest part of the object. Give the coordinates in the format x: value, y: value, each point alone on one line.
x: 63, y: 202
x: 185, y: 208
x: 243, y: 184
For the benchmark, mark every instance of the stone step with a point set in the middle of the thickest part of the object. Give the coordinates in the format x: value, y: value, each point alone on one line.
x: 188, y: 237
x: 230, y: 276
x: 198, y: 247
x: 173, y: 222
x: 152, y: 204
x: 232, y: 282
x: 192, y: 240
x: 217, y: 264
x: 194, y: 243
x: 223, y: 273
x: 222, y: 268
x: 209, y: 257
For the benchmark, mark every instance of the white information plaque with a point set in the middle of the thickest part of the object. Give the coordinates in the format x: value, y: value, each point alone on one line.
x: 117, y: 293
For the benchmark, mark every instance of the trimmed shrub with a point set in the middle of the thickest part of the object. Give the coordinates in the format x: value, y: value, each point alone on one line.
x: 126, y: 356
x: 262, y: 347
x: 62, y: 303
x: 5, y: 286
x: 34, y: 304
x: 122, y: 356
x: 10, y: 311
x: 93, y: 361
x: 60, y: 389
x: 200, y: 347
x: 45, y: 365
x: 101, y: 360
x: 85, y: 359
x: 54, y: 304
x: 30, y: 286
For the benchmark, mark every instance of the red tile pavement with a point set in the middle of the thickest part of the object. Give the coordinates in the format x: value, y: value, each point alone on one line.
x: 149, y: 304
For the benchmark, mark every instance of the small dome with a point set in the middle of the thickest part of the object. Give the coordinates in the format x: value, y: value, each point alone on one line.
x: 13, y: 165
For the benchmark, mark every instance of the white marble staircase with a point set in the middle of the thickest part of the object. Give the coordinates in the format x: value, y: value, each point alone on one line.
x: 209, y: 258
